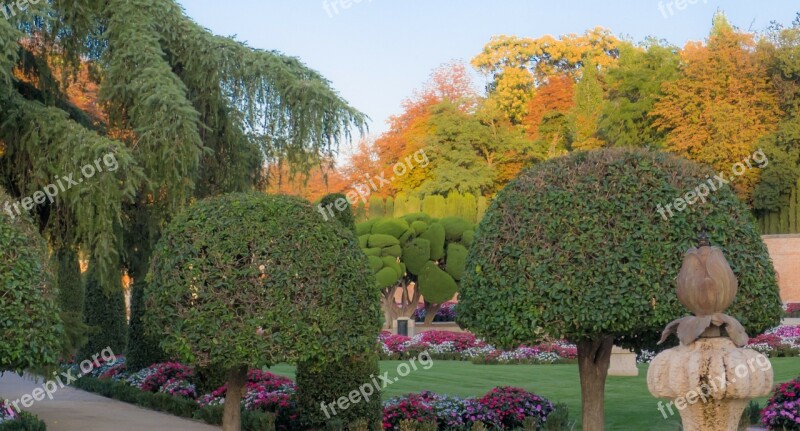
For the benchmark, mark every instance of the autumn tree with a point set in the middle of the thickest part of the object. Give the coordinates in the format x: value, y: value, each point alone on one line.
x: 721, y: 105
x: 504, y: 59
x: 407, y: 133
x: 547, y: 121
x: 634, y: 86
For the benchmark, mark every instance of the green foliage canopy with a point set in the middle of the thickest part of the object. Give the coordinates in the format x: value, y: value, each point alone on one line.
x: 254, y: 280
x: 574, y: 247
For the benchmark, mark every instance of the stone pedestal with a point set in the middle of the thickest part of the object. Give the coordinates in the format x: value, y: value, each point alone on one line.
x: 623, y: 363
x: 709, y: 382
x: 411, y: 325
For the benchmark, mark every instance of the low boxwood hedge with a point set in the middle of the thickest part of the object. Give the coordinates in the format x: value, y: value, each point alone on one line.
x: 183, y: 407
x: 26, y: 422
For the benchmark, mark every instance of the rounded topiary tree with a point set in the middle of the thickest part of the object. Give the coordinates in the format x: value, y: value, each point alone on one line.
x: 30, y: 329
x: 416, y: 250
x: 576, y: 247
x: 250, y: 280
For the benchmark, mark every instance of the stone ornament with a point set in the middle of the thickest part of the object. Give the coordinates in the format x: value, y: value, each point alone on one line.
x: 706, y: 286
x: 709, y: 378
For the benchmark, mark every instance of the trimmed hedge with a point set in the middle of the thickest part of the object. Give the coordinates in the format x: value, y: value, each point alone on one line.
x: 336, y: 380
x: 26, y: 422
x: 183, y: 407
x: 31, y: 329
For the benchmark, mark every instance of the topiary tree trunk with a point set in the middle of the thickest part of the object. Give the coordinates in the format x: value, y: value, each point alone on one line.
x: 430, y: 312
x: 594, y: 357
x: 232, y: 416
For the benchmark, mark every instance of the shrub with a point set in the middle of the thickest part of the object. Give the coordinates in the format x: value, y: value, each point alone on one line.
x: 576, y: 248
x: 31, y: 327
x: 782, y: 411
x: 250, y: 280
x: 104, y: 313
x: 22, y: 422
x: 334, y: 380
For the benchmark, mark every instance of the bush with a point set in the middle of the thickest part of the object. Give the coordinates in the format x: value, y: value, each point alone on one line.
x: 280, y: 263
x: 104, y: 313
x: 331, y: 381
x: 782, y: 411
x: 24, y: 422
x: 178, y: 406
x: 251, y: 421
x: 31, y: 329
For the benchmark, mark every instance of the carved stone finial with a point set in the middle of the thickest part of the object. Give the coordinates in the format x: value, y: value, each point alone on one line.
x: 706, y: 286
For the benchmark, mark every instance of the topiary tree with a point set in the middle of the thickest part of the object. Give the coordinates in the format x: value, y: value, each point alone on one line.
x: 104, y: 314
x: 577, y: 247
x: 251, y: 280
x: 417, y: 251
x: 328, y: 208
x: 71, y: 298
x: 30, y: 328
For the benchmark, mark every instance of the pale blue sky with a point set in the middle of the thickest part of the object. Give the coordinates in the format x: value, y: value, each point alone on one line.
x: 376, y: 52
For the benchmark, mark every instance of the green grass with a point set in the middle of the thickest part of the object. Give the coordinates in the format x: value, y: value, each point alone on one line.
x: 629, y: 405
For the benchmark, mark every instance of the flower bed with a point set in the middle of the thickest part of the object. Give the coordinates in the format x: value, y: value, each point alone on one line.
x: 783, y: 341
x: 503, y: 408
x: 783, y: 408
x: 792, y: 310
x: 447, y: 313
x: 445, y: 345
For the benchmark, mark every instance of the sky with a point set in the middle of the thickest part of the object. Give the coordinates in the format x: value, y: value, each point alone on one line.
x: 377, y: 52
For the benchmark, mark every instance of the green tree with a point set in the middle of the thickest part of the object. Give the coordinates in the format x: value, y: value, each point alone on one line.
x: 467, y: 151
x: 589, y: 105
x: 252, y: 280
x: 416, y: 257
x: 187, y: 114
x: 576, y: 247
x: 634, y: 86
x: 30, y: 325
x: 781, y: 53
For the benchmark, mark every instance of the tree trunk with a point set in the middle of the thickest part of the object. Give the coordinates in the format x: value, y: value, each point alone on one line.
x: 232, y: 417
x: 593, y: 360
x: 430, y: 313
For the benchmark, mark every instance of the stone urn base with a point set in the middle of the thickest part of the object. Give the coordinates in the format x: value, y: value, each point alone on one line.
x: 709, y: 382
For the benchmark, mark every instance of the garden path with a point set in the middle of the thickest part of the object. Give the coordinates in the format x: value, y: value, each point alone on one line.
x: 75, y: 410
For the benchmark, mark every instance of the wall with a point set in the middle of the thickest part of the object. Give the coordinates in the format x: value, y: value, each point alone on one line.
x: 785, y: 253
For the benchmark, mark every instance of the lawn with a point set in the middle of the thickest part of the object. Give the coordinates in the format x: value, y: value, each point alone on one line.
x: 629, y: 406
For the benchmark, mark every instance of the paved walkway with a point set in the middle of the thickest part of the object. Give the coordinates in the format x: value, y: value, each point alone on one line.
x: 75, y: 410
